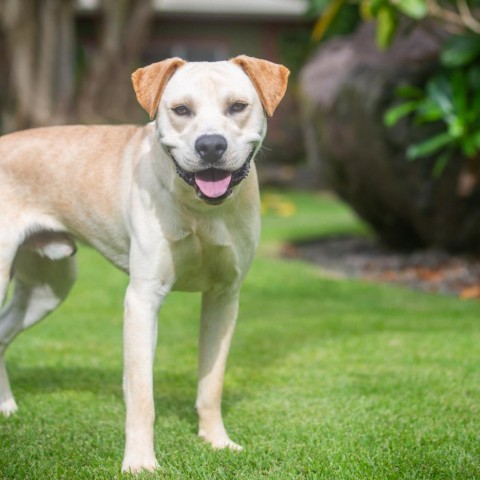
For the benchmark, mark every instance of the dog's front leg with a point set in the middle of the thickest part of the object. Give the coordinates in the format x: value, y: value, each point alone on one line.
x: 219, y: 315
x: 142, y: 302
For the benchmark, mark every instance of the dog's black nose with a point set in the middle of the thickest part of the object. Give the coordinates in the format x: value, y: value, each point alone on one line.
x: 211, y: 147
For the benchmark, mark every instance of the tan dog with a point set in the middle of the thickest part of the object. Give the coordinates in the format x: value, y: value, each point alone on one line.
x: 175, y: 204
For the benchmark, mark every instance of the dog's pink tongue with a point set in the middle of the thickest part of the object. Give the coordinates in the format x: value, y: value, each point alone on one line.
x: 213, y: 183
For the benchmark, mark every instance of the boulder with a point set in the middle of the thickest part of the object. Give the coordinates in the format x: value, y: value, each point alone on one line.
x: 346, y: 88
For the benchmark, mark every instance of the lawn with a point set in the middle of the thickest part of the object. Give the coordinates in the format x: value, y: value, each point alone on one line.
x: 327, y: 378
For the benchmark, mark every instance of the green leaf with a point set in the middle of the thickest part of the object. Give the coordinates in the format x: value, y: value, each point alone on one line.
x: 456, y: 127
x: 468, y: 147
x: 471, y: 145
x: 377, y: 5
x: 409, y: 91
x: 459, y: 85
x: 326, y: 19
x: 474, y: 77
x: 439, y: 92
x: 473, y: 114
x: 394, y: 114
x: 365, y: 9
x: 475, y: 105
x: 386, y: 26
x: 428, y: 112
x: 430, y: 146
x: 416, y: 9
x: 460, y: 50
x: 441, y: 162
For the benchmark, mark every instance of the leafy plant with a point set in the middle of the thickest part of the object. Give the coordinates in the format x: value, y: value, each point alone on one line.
x: 450, y: 97
x: 386, y: 13
x: 335, y: 17
x: 454, y: 16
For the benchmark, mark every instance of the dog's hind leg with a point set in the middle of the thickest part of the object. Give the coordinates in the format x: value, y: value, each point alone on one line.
x: 7, y: 255
x: 40, y: 285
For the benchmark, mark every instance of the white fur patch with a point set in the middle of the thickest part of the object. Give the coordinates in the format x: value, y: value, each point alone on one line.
x: 52, y: 245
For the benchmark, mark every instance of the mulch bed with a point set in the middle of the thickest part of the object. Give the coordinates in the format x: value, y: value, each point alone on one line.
x: 360, y: 257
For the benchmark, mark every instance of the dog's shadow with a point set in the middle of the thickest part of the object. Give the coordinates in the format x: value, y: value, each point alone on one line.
x: 174, y: 396
x: 35, y: 380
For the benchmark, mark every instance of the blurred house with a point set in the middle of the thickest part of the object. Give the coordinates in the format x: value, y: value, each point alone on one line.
x: 213, y: 30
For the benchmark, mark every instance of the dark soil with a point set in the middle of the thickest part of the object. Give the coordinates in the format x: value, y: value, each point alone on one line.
x: 428, y: 270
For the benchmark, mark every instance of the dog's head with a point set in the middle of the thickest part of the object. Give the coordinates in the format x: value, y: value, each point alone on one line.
x: 210, y: 117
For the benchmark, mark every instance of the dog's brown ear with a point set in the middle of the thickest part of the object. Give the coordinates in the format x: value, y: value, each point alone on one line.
x: 269, y: 79
x: 150, y: 82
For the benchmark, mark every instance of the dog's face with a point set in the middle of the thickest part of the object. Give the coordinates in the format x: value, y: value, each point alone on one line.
x: 211, y: 121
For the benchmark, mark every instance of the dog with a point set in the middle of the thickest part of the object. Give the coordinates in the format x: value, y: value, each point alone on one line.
x: 175, y: 204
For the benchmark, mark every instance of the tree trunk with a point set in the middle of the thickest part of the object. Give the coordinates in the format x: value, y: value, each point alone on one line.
x: 107, y: 91
x: 18, y: 23
x: 39, y: 38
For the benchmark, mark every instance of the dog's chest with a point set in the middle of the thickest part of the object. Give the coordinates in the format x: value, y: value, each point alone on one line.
x: 207, y: 258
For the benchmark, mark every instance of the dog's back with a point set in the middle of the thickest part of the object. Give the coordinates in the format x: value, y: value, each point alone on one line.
x: 52, y: 179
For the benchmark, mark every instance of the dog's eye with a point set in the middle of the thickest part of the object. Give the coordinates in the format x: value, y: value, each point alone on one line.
x: 237, y: 107
x: 182, y: 111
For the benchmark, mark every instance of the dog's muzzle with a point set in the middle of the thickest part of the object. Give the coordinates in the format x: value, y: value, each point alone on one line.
x: 214, y: 185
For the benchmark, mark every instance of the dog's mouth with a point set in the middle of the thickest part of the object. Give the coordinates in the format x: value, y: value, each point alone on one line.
x: 214, y: 185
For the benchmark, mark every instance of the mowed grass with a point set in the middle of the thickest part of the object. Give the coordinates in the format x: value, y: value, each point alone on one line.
x: 327, y: 378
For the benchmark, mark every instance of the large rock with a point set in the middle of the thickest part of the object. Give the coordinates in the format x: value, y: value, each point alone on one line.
x: 347, y: 86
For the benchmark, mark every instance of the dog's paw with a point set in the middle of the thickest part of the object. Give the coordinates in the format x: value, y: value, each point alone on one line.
x: 8, y: 407
x: 227, y: 444
x: 221, y: 442
x: 138, y: 465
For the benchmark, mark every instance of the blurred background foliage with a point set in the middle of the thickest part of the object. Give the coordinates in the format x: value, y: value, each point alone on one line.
x: 451, y: 94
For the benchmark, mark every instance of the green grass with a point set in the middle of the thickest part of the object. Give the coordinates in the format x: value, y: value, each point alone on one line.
x: 327, y: 379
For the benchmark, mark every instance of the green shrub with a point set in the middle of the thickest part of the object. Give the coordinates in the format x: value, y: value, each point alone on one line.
x: 450, y: 97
